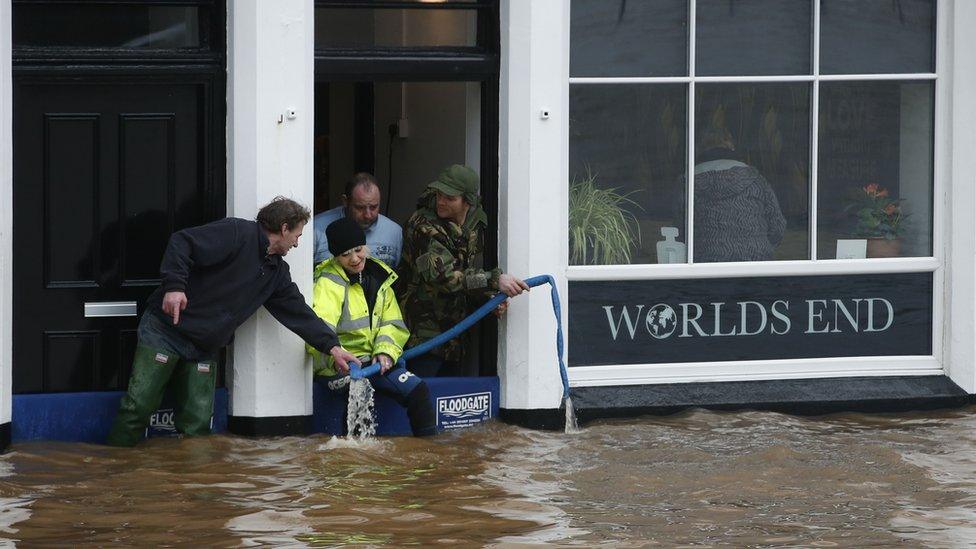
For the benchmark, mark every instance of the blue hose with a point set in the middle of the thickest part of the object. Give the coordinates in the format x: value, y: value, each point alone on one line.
x: 358, y: 373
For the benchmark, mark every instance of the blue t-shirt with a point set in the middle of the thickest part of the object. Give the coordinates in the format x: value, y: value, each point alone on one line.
x: 384, y: 237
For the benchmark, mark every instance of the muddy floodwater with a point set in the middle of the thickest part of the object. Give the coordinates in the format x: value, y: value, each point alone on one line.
x: 695, y: 479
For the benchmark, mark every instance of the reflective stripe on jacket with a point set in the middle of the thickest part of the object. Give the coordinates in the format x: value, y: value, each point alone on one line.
x: 342, y: 305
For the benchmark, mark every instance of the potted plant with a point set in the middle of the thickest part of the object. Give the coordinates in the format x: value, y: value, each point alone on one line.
x: 879, y: 219
x: 601, y: 230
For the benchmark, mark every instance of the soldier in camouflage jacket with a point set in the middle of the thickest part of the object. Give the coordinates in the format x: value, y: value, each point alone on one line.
x: 443, y: 282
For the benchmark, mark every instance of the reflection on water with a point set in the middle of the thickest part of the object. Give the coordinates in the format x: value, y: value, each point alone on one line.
x: 699, y: 478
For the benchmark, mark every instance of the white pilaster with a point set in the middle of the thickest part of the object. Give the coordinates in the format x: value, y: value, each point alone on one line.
x: 270, y: 70
x: 6, y: 214
x: 533, y: 201
x: 959, y: 153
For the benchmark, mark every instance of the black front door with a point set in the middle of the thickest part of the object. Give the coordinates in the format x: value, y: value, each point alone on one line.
x: 104, y: 170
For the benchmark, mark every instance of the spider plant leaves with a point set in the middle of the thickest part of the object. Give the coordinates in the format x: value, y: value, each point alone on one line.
x: 602, y: 230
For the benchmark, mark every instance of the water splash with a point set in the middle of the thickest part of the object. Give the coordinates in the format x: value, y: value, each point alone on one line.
x: 571, y: 425
x: 360, y: 417
x: 339, y: 443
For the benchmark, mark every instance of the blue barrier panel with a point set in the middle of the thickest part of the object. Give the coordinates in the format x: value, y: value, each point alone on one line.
x: 458, y: 402
x: 85, y: 417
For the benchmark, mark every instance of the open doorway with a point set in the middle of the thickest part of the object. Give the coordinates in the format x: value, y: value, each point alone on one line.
x: 404, y: 133
x: 403, y: 90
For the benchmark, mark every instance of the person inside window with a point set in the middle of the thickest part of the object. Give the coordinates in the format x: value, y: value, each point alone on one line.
x: 737, y: 215
x: 353, y: 294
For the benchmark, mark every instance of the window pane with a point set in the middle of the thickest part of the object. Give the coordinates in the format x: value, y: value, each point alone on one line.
x: 394, y: 28
x: 877, y: 36
x: 752, y: 172
x: 753, y: 37
x: 875, y: 168
x: 626, y: 166
x: 106, y: 26
x: 621, y: 38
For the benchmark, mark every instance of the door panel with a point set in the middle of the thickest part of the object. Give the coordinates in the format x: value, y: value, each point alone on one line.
x: 104, y: 171
x: 69, y: 178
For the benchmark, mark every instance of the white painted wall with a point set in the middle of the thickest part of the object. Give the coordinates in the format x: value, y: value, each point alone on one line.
x: 270, y: 69
x: 533, y: 193
x: 6, y: 214
x: 959, y: 148
x: 436, y: 114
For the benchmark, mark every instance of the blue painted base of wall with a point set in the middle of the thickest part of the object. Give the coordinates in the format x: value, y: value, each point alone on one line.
x: 87, y: 417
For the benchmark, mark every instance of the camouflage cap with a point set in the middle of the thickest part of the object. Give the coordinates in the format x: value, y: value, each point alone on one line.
x: 457, y: 180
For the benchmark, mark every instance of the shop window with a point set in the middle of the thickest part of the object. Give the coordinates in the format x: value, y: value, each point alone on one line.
x: 788, y: 156
x: 627, y: 151
x: 876, y: 162
x: 752, y: 149
x: 756, y: 37
x: 614, y: 38
x: 877, y: 36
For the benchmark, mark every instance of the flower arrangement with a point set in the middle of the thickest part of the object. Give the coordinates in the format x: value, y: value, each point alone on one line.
x: 877, y: 214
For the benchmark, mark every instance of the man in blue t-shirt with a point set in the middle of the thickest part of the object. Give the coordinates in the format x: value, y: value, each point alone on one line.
x: 361, y: 202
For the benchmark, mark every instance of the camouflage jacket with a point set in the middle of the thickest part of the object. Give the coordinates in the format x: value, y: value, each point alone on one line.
x: 442, y: 284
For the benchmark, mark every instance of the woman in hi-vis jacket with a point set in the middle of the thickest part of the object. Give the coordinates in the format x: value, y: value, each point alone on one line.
x: 353, y: 294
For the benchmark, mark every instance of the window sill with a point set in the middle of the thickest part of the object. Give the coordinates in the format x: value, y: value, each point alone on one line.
x: 765, y: 268
x: 753, y: 370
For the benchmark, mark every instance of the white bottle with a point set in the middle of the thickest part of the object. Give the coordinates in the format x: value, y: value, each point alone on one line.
x: 670, y: 250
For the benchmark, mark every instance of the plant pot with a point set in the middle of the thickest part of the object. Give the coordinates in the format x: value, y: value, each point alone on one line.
x: 882, y: 247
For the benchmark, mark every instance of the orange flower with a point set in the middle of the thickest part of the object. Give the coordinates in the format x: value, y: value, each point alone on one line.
x: 871, y: 189
x: 882, y: 193
x: 891, y: 209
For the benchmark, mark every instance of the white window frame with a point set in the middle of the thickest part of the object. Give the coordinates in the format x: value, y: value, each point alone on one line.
x: 792, y: 368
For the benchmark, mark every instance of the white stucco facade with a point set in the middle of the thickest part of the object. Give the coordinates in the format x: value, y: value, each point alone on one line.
x: 270, y: 72
x: 269, y: 153
x: 951, y: 262
x: 533, y: 193
x: 957, y: 119
x: 6, y: 214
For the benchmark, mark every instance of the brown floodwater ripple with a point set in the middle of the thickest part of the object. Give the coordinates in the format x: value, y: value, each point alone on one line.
x: 748, y: 479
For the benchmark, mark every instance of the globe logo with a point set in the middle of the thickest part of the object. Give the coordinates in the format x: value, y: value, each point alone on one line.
x: 661, y: 321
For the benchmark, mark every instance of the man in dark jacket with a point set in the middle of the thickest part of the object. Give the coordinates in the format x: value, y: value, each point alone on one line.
x: 214, y: 277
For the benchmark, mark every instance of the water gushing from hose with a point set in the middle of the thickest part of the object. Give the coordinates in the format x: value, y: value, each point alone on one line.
x: 360, y: 417
x: 481, y: 312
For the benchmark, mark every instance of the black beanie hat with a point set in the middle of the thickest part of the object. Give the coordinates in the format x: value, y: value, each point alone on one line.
x: 343, y: 235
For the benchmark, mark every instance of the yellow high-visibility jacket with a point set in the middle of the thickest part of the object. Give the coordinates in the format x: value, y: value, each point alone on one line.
x: 342, y: 305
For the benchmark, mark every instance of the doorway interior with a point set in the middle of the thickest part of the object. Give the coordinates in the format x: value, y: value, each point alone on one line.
x: 403, y: 90
x: 404, y: 133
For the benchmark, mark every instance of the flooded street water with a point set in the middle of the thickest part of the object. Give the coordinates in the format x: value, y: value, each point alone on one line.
x: 699, y: 478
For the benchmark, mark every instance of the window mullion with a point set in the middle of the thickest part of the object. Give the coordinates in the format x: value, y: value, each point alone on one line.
x: 690, y: 134
x: 815, y: 131
x: 816, y: 38
x: 814, y: 163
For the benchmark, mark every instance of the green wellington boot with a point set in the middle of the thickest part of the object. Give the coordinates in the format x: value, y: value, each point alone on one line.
x: 194, y: 383
x: 151, y: 370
